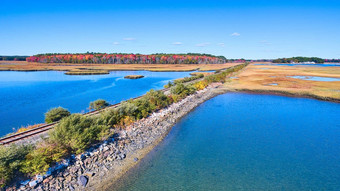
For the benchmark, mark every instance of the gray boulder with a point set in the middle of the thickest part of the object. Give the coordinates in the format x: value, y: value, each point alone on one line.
x: 33, y: 183
x: 82, y: 180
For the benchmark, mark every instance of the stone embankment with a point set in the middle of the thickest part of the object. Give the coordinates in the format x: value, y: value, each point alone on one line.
x: 103, y: 164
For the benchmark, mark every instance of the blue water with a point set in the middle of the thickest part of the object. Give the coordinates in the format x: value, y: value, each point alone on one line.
x: 319, y: 65
x: 273, y: 84
x: 247, y: 142
x: 26, y: 96
x: 316, y: 78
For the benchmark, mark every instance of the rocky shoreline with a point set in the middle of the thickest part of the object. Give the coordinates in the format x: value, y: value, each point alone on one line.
x: 103, y: 164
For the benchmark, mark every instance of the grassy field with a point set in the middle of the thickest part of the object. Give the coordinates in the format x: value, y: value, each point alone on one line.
x: 79, y: 69
x: 274, y: 79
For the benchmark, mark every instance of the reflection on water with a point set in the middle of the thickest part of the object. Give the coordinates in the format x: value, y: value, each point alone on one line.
x: 26, y: 96
x: 246, y: 142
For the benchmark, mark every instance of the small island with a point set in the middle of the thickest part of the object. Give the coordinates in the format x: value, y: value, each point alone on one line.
x: 133, y: 76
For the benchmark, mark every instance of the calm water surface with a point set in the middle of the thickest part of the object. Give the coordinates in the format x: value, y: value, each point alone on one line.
x: 316, y: 78
x: 246, y: 142
x: 26, y: 96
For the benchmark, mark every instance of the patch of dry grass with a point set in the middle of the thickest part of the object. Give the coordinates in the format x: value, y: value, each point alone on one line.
x: 87, y: 72
x: 259, y: 78
x: 204, y: 73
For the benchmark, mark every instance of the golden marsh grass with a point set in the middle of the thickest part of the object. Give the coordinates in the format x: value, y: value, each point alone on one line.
x: 25, y: 66
x: 261, y: 78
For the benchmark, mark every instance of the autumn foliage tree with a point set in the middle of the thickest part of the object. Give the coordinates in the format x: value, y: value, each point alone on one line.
x: 100, y: 58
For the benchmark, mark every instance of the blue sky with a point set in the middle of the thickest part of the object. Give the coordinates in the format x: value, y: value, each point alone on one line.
x: 249, y: 29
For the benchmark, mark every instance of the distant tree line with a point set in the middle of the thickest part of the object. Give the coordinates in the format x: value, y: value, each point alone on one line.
x: 299, y: 59
x: 261, y: 60
x: 332, y: 60
x: 117, y: 58
x: 13, y: 58
x: 237, y: 60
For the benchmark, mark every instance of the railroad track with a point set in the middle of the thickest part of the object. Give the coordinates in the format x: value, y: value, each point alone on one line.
x: 23, y: 135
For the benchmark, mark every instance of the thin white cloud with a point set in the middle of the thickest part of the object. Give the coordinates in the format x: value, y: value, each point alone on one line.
x: 203, y: 44
x: 265, y: 42
x: 129, y: 39
x: 116, y: 43
x: 221, y: 44
x: 235, y: 34
x: 177, y: 43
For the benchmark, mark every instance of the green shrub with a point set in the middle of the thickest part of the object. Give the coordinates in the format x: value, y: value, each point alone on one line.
x: 178, y: 89
x: 157, y: 99
x: 142, y: 107
x: 77, y: 132
x: 56, y: 114
x: 128, y: 108
x: 73, y: 134
x: 42, y: 157
x: 175, y: 98
x: 188, y: 79
x: 110, y: 117
x: 169, y: 84
x: 10, y: 161
x: 183, y: 90
x: 98, y: 104
x: 200, y: 75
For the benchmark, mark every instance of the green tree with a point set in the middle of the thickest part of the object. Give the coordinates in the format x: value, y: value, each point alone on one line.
x: 182, y: 90
x: 56, y: 114
x: 98, y: 104
x: 42, y: 157
x: 10, y: 161
x: 77, y: 132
